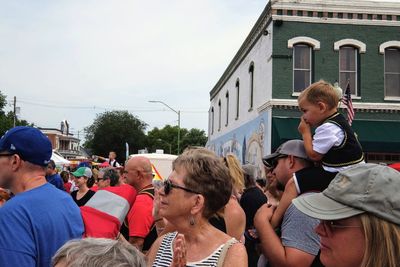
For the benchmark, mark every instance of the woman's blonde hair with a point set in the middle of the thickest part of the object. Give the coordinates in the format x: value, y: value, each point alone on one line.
x: 236, y: 172
x: 382, y: 242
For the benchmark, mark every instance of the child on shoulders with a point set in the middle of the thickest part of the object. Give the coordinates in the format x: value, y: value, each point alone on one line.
x: 334, y: 144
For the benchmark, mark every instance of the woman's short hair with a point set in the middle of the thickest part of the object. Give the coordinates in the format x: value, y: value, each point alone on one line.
x: 111, y: 174
x: 382, y: 242
x: 207, y: 174
x: 98, y: 252
x: 320, y: 91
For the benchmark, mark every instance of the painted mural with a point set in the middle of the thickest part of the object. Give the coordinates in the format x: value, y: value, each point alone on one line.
x: 247, y: 142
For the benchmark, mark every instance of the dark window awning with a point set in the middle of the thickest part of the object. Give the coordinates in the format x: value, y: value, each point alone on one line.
x: 374, y: 136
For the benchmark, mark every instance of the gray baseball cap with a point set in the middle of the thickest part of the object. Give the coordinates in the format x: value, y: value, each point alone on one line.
x: 250, y: 170
x: 364, y: 188
x: 292, y: 147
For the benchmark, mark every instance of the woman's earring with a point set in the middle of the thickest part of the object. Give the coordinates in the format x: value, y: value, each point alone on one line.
x: 191, y: 220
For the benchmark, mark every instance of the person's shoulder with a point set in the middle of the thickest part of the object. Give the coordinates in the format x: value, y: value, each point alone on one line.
x: 236, y: 255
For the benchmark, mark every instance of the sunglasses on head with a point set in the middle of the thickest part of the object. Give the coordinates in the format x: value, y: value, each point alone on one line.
x: 168, y: 185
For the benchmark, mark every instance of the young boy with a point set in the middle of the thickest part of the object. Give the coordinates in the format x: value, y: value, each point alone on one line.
x: 334, y: 144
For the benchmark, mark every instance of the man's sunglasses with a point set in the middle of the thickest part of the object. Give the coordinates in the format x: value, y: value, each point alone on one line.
x: 168, y: 185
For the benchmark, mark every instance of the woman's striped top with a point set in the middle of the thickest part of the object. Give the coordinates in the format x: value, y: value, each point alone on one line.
x: 165, y: 254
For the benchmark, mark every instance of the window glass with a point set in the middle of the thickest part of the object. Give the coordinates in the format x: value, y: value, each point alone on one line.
x: 348, y: 68
x: 301, y: 67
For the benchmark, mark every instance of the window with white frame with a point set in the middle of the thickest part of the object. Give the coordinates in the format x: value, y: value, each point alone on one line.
x: 237, y: 98
x: 219, y: 115
x: 392, y: 72
x: 348, y: 72
x: 227, y: 108
x: 302, y: 67
x: 212, y: 120
x: 251, y: 76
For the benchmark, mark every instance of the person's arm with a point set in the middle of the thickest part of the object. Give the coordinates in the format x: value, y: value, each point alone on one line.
x: 151, y: 254
x: 235, y: 219
x: 272, y: 248
x: 287, y: 196
x: 236, y: 256
x: 137, y: 242
x: 305, y: 131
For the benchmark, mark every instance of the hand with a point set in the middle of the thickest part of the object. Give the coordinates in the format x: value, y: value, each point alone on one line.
x: 179, y: 248
x: 304, y: 127
x: 263, y: 214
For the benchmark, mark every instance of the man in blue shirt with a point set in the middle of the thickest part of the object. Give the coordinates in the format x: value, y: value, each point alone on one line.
x: 53, y: 177
x: 40, y: 218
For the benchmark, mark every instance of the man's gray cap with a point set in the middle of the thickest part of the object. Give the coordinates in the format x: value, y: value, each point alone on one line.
x: 292, y: 147
x: 363, y: 188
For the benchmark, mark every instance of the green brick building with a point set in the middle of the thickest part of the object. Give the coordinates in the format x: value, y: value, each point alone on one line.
x: 253, y: 107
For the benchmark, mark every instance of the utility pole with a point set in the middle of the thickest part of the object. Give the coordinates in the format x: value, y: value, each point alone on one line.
x: 15, y: 110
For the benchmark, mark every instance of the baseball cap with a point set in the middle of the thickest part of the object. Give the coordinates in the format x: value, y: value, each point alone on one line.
x: 371, y: 188
x: 29, y: 143
x: 83, y: 171
x: 292, y: 147
x: 250, y: 170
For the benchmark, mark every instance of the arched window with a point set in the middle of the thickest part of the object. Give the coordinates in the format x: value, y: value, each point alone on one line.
x: 237, y: 98
x: 227, y: 108
x: 303, y: 47
x: 212, y: 120
x: 392, y: 72
x: 251, y: 76
x: 349, y: 51
x: 348, y: 68
x: 302, y: 67
x: 219, y: 115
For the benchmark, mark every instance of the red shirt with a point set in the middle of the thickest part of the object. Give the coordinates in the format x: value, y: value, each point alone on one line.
x: 140, y: 218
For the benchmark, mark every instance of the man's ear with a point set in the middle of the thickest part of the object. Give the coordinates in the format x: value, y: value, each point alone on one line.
x: 198, y: 204
x: 15, y: 162
x: 291, y: 161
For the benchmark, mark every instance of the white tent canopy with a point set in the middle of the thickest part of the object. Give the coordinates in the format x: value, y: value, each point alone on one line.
x: 58, y: 159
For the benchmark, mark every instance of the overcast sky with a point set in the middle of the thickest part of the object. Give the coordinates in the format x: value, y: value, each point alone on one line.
x: 73, y: 59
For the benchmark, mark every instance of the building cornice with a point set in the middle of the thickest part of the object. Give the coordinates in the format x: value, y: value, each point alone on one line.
x: 248, y: 44
x: 358, y: 106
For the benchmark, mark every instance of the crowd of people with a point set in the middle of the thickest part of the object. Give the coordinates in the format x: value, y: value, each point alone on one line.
x: 319, y: 204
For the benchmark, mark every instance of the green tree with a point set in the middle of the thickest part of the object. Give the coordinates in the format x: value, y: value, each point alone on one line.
x: 111, y: 130
x: 167, y: 138
x: 7, y: 119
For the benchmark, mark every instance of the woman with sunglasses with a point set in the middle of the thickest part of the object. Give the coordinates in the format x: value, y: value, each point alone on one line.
x: 360, y: 217
x: 197, y: 188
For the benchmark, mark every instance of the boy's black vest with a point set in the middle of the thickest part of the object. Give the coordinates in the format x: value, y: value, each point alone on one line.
x: 349, y: 152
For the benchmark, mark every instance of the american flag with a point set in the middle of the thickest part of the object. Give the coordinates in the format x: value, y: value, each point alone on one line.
x: 346, y: 100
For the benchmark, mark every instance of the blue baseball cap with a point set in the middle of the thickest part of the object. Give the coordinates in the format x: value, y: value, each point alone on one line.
x: 29, y: 143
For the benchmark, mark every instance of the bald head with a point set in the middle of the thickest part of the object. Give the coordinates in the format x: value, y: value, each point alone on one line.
x: 138, y: 172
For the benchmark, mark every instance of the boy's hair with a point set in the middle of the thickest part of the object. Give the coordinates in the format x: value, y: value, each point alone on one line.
x: 320, y: 91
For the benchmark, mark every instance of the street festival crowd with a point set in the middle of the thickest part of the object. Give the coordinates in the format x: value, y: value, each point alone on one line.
x: 320, y: 204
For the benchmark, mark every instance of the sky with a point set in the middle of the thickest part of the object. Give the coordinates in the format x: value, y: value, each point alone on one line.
x: 73, y: 59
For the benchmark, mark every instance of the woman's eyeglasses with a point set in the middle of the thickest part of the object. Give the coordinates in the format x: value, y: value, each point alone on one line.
x: 168, y: 185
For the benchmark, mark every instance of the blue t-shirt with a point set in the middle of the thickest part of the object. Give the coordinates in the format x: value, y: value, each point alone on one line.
x: 56, y: 180
x: 35, y: 224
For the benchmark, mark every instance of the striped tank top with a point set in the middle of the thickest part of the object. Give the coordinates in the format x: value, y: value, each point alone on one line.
x: 165, y: 254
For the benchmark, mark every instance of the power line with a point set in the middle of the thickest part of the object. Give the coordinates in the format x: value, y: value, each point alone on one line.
x: 133, y: 109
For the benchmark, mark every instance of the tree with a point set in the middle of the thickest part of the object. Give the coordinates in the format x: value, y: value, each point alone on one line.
x: 111, y: 130
x: 167, y: 138
x: 194, y: 137
x: 7, y: 119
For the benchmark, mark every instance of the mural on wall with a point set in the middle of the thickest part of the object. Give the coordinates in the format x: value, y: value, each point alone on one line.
x: 247, y: 143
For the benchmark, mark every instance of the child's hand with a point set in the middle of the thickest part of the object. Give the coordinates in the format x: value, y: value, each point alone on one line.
x: 304, y: 128
x: 263, y: 214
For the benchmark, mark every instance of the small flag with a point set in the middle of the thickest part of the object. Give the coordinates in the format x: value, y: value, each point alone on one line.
x: 346, y: 100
